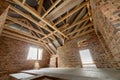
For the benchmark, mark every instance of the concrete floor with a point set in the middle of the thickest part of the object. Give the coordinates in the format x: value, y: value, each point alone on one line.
x: 78, y: 74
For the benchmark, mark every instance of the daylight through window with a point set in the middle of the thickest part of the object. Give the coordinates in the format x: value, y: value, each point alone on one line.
x: 86, y: 58
x: 34, y: 53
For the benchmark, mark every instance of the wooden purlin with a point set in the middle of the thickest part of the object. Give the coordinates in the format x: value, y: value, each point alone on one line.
x: 20, y: 36
x: 71, y: 13
x: 77, y: 26
x: 52, y: 33
x: 26, y: 26
x: 23, y: 1
x: 51, y: 8
x: 78, y: 30
x: 36, y: 14
x: 27, y: 17
x: 77, y: 23
x: 16, y: 20
x: 63, y: 8
x: 46, y: 45
x: 17, y: 38
x: 85, y: 23
x: 22, y: 33
x: 83, y: 33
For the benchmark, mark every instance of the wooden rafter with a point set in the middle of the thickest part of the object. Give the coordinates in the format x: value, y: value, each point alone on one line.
x: 51, y: 8
x: 47, y: 49
x: 36, y: 14
x: 23, y: 1
x: 22, y: 33
x: 16, y: 20
x: 87, y: 26
x: 53, y: 45
x: 40, y: 6
x: 89, y: 11
x: 52, y: 33
x: 71, y: 13
x: 83, y: 25
x: 19, y: 36
x: 77, y: 23
x: 83, y: 33
x: 28, y: 17
x: 63, y: 8
x: 20, y: 39
x: 46, y: 31
x: 85, y: 22
x: 56, y: 40
x: 46, y: 45
x: 3, y: 19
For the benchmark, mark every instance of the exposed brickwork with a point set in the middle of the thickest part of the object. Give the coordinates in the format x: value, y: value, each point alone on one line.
x: 68, y: 55
x: 13, y: 56
x: 53, y: 61
x: 106, y: 16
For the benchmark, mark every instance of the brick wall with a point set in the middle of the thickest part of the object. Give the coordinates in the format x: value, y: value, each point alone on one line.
x: 106, y: 16
x: 13, y: 56
x: 68, y: 55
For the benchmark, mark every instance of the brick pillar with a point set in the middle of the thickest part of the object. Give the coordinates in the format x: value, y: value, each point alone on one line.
x: 68, y: 55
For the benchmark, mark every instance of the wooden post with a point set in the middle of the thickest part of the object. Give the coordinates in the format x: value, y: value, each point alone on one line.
x: 2, y: 19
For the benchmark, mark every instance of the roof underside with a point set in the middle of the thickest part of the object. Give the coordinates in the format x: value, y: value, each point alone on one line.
x: 48, y: 22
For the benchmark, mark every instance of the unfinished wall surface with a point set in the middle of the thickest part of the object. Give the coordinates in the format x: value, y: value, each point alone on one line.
x: 68, y: 55
x: 106, y: 16
x: 53, y: 61
x: 13, y: 57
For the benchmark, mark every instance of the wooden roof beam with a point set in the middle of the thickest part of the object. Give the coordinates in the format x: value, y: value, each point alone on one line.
x: 51, y: 8
x: 83, y: 33
x: 80, y: 27
x: 3, y: 19
x: 82, y: 20
x: 53, y: 45
x: 89, y: 11
x: 15, y: 20
x: 23, y: 33
x: 52, y: 32
x: 23, y: 1
x: 71, y: 13
x: 46, y: 45
x: 80, y: 14
x: 63, y: 8
x: 40, y: 6
x: 78, y: 30
x: 28, y: 17
x: 20, y: 39
x: 36, y: 14
x: 20, y: 36
x: 48, y: 50
x: 57, y: 40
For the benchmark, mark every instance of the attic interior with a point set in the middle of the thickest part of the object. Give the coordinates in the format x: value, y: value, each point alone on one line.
x: 59, y: 39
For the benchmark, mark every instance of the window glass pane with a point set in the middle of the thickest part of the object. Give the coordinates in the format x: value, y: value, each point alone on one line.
x: 86, y: 58
x: 32, y: 54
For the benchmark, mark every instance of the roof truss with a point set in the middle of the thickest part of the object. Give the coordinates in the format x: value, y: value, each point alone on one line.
x: 42, y: 28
